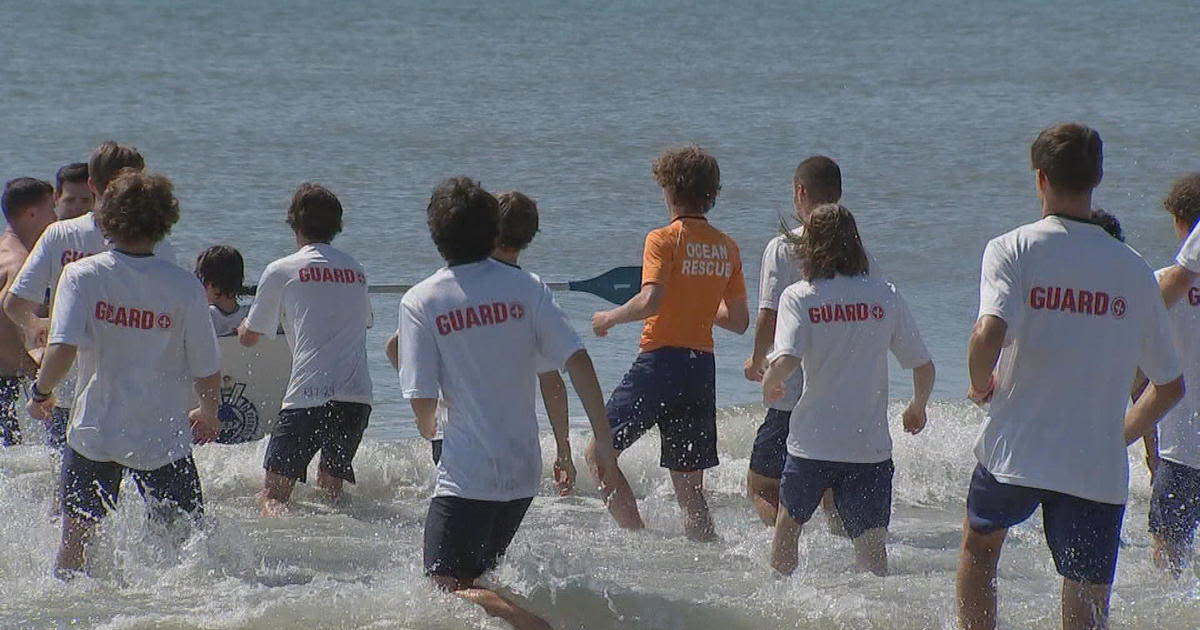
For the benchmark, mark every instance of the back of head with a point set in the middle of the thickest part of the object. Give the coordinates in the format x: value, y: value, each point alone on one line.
x: 315, y: 213
x: 1110, y: 223
x: 75, y: 173
x: 1183, y: 201
x: 821, y: 178
x: 21, y: 193
x: 830, y: 245
x: 464, y: 220
x: 222, y: 267
x: 109, y: 159
x: 137, y: 207
x: 1071, y: 156
x: 691, y: 175
x: 518, y: 220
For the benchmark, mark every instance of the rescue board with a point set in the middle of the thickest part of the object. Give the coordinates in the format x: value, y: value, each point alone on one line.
x: 253, y: 381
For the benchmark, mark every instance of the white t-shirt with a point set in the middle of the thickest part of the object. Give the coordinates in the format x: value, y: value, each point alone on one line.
x: 142, y: 329
x: 227, y: 323
x: 320, y: 295
x: 1083, y: 313
x: 472, y: 334
x: 1189, y: 252
x: 1179, y: 431
x: 781, y: 268
x: 841, y: 330
x: 62, y: 243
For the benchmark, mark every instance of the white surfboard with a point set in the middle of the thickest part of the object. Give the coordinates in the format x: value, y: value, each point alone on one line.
x: 253, y: 381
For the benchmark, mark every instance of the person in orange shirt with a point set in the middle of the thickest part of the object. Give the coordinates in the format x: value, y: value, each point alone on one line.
x: 691, y: 280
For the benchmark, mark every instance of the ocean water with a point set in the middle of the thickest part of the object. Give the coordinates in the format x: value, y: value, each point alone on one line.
x: 929, y: 107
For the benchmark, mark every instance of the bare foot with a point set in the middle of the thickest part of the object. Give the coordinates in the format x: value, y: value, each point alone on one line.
x: 271, y: 508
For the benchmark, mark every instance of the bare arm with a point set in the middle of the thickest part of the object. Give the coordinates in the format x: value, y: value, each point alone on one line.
x: 247, y: 337
x: 645, y: 304
x: 764, y: 340
x: 56, y: 362
x: 983, y: 351
x: 775, y: 379
x: 1156, y: 401
x: 554, y: 397
x: 392, y: 349
x: 206, y: 425
x: 915, y: 415
x: 733, y: 317
x: 587, y: 387
x: 425, y: 410
x: 1174, y: 283
x: 24, y: 313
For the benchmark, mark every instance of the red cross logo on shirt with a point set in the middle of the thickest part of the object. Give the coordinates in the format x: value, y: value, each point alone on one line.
x: 1119, y: 307
x: 877, y: 312
x: 164, y: 321
x: 516, y: 310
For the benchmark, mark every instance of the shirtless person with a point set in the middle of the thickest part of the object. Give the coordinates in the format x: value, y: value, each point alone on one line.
x: 28, y: 208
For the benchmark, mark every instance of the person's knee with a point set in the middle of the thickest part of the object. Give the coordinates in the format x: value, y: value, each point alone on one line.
x: 982, y: 546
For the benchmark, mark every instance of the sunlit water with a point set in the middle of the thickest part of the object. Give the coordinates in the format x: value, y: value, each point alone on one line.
x: 928, y: 106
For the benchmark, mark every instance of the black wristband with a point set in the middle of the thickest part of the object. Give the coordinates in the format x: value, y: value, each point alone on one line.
x: 38, y: 395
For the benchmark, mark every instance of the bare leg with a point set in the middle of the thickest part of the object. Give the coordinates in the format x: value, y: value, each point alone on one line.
x: 1168, y: 555
x: 1085, y: 606
x: 76, y: 535
x: 836, y: 527
x: 689, y: 492
x: 276, y: 491
x: 870, y: 551
x: 493, y: 604
x: 976, y: 583
x: 330, y: 485
x: 764, y: 496
x: 615, y: 490
x: 785, y: 548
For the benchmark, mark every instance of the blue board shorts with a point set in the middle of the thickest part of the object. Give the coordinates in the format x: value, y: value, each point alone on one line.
x: 1084, y: 536
x: 89, y: 489
x: 675, y: 390
x: 56, y: 433
x: 335, y: 429
x: 861, y: 492
x: 770, y: 444
x: 465, y: 538
x: 1175, y: 503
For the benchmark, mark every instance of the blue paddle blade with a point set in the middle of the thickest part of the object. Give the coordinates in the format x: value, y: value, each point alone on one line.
x: 615, y: 285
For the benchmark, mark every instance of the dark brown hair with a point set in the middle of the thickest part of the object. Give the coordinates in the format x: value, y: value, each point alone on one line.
x: 464, y: 220
x: 830, y: 244
x: 315, y: 213
x: 1183, y: 201
x: 821, y: 179
x: 692, y: 176
x: 110, y: 158
x: 518, y: 220
x: 137, y: 207
x: 21, y: 193
x: 222, y: 267
x: 76, y: 173
x: 1071, y: 155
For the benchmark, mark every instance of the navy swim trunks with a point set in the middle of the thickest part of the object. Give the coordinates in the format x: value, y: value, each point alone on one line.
x: 770, y: 444
x: 1175, y: 502
x: 335, y: 429
x: 465, y: 538
x: 89, y: 489
x: 861, y: 492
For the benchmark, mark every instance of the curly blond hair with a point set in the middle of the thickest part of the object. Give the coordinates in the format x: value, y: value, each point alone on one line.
x: 691, y: 175
x: 137, y: 207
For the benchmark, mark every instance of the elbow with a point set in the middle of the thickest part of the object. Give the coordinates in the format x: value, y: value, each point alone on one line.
x: 428, y: 431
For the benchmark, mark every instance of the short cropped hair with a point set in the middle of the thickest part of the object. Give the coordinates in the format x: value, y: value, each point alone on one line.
x: 110, y: 158
x: 821, y: 179
x: 22, y: 192
x: 315, y: 213
x: 518, y: 220
x: 1110, y: 223
x: 1183, y: 200
x: 691, y: 175
x: 464, y: 220
x: 76, y: 173
x: 137, y: 207
x: 1071, y: 155
x: 830, y: 244
x: 222, y: 267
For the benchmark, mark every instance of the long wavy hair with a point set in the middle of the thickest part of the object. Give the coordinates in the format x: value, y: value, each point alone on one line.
x: 830, y: 245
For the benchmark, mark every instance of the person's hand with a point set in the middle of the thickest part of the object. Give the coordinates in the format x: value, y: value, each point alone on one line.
x: 564, y: 474
x: 38, y: 333
x: 601, y: 322
x: 604, y: 459
x: 914, y: 418
x: 754, y: 370
x: 773, y: 391
x: 205, y: 427
x: 983, y: 397
x: 40, y: 410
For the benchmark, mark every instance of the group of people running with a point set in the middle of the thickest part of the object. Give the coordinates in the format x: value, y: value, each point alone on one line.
x: 100, y: 295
